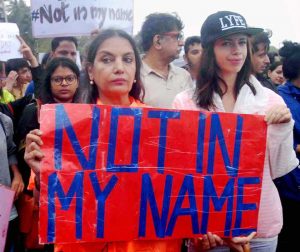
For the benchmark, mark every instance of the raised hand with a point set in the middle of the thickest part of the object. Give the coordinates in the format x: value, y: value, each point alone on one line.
x: 27, y: 52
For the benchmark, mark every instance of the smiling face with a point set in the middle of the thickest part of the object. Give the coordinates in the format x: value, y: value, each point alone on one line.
x: 113, y: 70
x: 230, y: 53
x: 276, y: 75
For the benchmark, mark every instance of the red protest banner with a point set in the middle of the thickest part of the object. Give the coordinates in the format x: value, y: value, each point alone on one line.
x: 113, y: 173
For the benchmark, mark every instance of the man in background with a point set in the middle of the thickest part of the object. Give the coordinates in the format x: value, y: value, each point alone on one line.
x: 192, y: 55
x: 260, y: 59
x: 162, y: 41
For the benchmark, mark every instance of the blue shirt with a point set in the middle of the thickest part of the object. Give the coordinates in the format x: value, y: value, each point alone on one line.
x: 289, y: 185
x: 30, y: 88
x: 291, y: 96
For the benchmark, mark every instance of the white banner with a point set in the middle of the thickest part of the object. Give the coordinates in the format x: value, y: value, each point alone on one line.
x: 54, y: 18
x: 9, y: 44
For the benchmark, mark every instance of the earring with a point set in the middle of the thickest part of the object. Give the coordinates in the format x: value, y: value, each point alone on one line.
x: 91, y: 82
x: 134, y: 81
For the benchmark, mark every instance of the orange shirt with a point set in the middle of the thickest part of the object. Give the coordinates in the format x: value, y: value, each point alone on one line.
x: 133, y: 102
x: 131, y: 246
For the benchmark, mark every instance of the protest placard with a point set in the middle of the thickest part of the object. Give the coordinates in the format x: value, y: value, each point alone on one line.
x: 53, y: 18
x: 114, y: 173
x: 9, y: 44
x: 7, y: 198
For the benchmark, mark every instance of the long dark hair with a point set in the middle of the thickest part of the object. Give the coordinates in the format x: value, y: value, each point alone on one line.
x: 208, y: 78
x: 45, y: 90
x: 90, y: 92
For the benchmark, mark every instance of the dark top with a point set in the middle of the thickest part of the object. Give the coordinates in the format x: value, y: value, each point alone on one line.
x: 267, y: 83
x: 27, y: 122
x: 289, y: 185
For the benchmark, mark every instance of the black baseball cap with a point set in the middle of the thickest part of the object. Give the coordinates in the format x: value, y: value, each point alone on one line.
x: 222, y: 24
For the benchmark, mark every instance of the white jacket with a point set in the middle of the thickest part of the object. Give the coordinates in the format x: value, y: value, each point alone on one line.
x: 280, y: 157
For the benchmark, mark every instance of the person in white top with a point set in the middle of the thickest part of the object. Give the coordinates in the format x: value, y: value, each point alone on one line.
x: 225, y: 84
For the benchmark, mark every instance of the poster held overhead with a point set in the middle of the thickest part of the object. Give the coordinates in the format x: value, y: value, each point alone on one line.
x: 9, y: 43
x: 55, y: 18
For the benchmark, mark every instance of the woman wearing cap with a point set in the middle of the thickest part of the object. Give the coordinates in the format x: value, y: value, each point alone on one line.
x: 225, y: 84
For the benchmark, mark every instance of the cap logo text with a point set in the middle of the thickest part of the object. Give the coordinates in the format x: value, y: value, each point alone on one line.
x: 232, y: 21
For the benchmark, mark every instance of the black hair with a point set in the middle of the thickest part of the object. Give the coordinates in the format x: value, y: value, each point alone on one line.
x: 45, y: 90
x: 274, y: 65
x: 273, y: 56
x: 290, y: 53
x: 45, y: 59
x: 262, y: 37
x: 2, y: 70
x: 15, y: 65
x: 158, y: 23
x: 190, y: 41
x: 90, y: 92
x: 3, y: 67
x: 56, y: 41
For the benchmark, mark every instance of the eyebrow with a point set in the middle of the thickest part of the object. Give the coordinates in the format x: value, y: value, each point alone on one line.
x: 64, y: 50
x: 111, y: 54
x: 195, y: 50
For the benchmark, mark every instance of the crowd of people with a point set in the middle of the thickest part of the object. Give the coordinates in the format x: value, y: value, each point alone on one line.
x: 228, y: 69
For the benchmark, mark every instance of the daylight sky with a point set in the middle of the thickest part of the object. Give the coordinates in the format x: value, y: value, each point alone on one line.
x: 280, y: 16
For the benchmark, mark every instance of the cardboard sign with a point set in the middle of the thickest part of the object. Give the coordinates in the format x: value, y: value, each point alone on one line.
x: 9, y: 44
x: 117, y: 174
x: 7, y: 198
x: 54, y: 18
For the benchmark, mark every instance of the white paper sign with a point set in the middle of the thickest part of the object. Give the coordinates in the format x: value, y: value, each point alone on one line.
x: 53, y: 18
x: 7, y: 197
x: 9, y: 44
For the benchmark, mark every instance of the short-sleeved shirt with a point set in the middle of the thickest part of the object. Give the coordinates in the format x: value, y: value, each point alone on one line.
x: 160, y: 92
